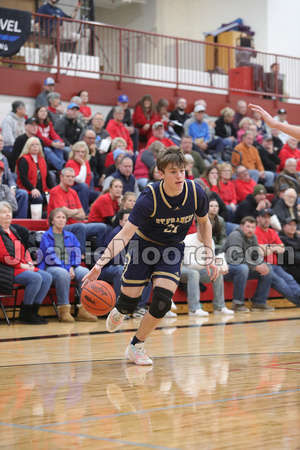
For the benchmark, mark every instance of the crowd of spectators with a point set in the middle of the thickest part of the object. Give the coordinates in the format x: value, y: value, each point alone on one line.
x: 84, y: 165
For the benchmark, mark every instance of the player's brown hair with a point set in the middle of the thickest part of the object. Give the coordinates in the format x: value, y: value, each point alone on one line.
x: 171, y: 156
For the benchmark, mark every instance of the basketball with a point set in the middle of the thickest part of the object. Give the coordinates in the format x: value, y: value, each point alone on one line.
x: 98, y: 298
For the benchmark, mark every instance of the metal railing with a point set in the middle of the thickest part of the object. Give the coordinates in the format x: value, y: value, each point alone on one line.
x: 95, y: 50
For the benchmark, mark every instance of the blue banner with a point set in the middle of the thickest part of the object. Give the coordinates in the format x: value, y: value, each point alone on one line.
x: 14, y: 30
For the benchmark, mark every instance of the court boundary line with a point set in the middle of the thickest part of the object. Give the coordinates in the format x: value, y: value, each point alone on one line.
x: 131, y: 330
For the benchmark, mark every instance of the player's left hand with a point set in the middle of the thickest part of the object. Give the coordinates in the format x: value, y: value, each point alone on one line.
x: 93, y: 275
x: 213, y: 271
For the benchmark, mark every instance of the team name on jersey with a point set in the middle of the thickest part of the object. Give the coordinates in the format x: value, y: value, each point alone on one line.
x: 184, y: 219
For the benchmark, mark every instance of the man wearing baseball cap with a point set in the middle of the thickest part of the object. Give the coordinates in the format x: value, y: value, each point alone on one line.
x: 272, y: 245
x: 49, y: 86
x: 281, y: 117
x: 123, y: 101
x: 68, y: 127
x: 291, y: 240
x: 267, y: 155
x: 158, y: 132
x: 252, y: 204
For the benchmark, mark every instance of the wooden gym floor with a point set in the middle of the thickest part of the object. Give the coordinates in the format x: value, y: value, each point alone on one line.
x: 215, y: 384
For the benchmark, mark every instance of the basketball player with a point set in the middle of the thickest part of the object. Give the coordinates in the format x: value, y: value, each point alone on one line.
x: 158, y: 224
x: 291, y: 130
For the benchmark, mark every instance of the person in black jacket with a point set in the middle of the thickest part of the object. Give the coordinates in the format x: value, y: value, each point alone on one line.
x: 225, y: 128
x: 179, y: 116
x: 291, y: 256
x: 267, y: 155
x: 67, y: 127
x: 16, y: 267
x: 252, y: 204
x: 287, y: 206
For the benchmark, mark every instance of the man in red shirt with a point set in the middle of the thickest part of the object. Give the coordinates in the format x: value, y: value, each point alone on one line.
x: 244, y: 184
x: 272, y: 245
x: 116, y: 127
x: 62, y: 196
x: 158, y: 131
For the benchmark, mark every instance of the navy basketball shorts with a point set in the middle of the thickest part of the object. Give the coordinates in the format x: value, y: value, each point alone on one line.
x: 147, y: 260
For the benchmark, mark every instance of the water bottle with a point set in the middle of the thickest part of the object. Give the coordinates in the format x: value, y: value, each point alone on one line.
x: 98, y: 142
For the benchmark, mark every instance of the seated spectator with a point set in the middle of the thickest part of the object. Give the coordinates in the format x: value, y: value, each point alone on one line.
x: 278, y: 144
x: 6, y: 194
x: 125, y: 174
x: 106, y: 206
x: 118, y: 154
x: 179, y: 116
x: 55, y: 110
x: 123, y: 102
x: 32, y: 172
x: 243, y: 237
x: 21, y: 270
x: 144, y: 117
x: 154, y: 175
x: 96, y: 160
x: 199, y: 131
x: 31, y: 129
x: 119, y: 143
x: 218, y: 225
x: 252, y: 204
x: 244, y: 185
x: 48, y: 86
x: 281, y: 117
x: 84, y: 108
x: 257, y: 137
x: 189, y: 167
x: 80, y: 118
x: 211, y: 178
x: 227, y: 190
x: 286, y: 206
x: 97, y: 125
x: 8, y: 180
x: 251, y: 160
x: 62, y: 196
x: 116, y: 128
x: 243, y: 127
x: 279, y: 194
x: 145, y: 160
x: 289, y: 150
x: 266, y: 152
x: 13, y: 126
x: 158, y: 132
x: 291, y: 240
x: 242, y: 57
x: 54, y: 146
x: 127, y: 202
x: 241, y: 112
x: 162, y: 111
x: 193, y: 272
x: 289, y: 176
x: 271, y: 244
x: 225, y: 128
x: 79, y: 162
x: 199, y: 166
x: 60, y: 256
x: 261, y: 125
x: 67, y: 127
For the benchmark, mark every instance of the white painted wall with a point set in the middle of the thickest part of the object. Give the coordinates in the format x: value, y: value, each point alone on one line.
x: 275, y: 22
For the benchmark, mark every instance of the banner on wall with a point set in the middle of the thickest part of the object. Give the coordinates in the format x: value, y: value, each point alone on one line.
x: 14, y: 30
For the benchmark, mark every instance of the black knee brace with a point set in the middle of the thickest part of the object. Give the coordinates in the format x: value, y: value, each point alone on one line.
x: 161, y: 302
x: 126, y: 304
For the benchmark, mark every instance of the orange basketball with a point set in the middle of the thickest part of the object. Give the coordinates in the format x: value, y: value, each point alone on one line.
x: 98, y: 298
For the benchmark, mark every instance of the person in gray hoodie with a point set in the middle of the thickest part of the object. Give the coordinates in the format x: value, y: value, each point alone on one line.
x: 245, y: 262
x: 13, y: 126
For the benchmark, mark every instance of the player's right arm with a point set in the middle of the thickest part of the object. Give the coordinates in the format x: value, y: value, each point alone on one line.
x: 115, y: 246
x: 291, y: 130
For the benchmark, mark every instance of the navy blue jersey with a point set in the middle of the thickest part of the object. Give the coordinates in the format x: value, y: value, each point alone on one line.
x: 166, y: 220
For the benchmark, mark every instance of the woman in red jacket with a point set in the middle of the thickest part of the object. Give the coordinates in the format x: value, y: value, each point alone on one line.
x: 144, y: 117
x: 79, y: 161
x: 32, y: 172
x: 54, y: 146
x: 227, y: 190
x: 107, y: 204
